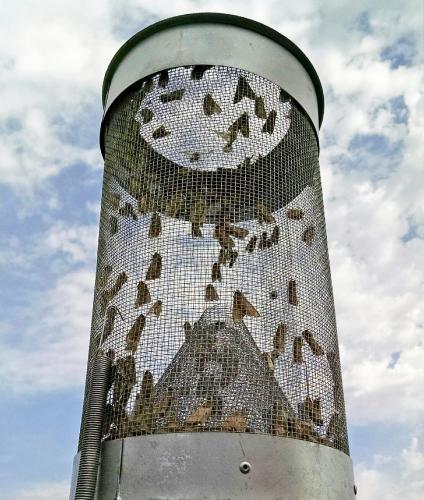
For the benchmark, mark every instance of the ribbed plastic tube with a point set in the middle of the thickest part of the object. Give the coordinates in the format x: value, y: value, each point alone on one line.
x: 92, y: 433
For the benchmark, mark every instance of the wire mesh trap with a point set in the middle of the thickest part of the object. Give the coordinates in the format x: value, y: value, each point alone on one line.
x: 213, y: 291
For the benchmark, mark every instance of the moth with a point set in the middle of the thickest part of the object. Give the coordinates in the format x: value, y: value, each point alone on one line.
x: 252, y: 244
x: 297, y: 350
x: 263, y: 214
x: 115, y: 199
x: 174, y: 205
x: 308, y: 235
x: 156, y: 308
x: 316, y: 349
x: 155, y: 226
x: 175, y: 95
x: 210, y: 106
x: 211, y: 294
x: 155, y: 268
x: 109, y: 294
x: 188, y: 330
x: 279, y: 422
x: 236, y: 422
x: 199, y: 70
x: 125, y: 378
x: 113, y: 225
x: 223, y: 238
x: 270, y: 122
x: 201, y: 414
x: 146, y: 114
x: 243, y: 89
x: 105, y: 275
x: 275, y: 235
x: 147, y: 87
x: 198, y: 211
x: 292, y: 293
x: 160, y: 132
x: 143, y: 295
x: 146, y: 389
x: 163, y: 78
x: 266, y: 356
x: 263, y: 241
x: 295, y: 213
x: 196, y: 232
x: 242, y: 307
x: 133, y: 336
x: 260, y: 111
x: 238, y: 232
x: 279, y: 339
x: 233, y: 258
x: 109, y: 322
x: 216, y: 272
x: 128, y: 211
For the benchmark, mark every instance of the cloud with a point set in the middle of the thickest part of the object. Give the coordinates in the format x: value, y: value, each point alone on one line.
x: 406, y: 482
x: 44, y: 491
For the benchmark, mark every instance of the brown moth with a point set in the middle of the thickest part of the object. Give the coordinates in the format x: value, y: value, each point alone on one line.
x: 155, y: 268
x: 279, y: 339
x: 127, y: 210
x: 312, y: 343
x: 160, y: 132
x: 260, y: 111
x: 156, y: 308
x: 175, y: 95
x: 188, y: 330
x: 196, y: 232
x: 242, y: 307
x: 163, y: 78
x: 143, y: 295
x: 275, y: 235
x: 105, y: 275
x: 297, y: 350
x: 155, y: 226
x: 263, y: 214
x: 308, y: 235
x: 236, y: 422
x: 251, y: 245
x: 210, y: 106
x: 216, y: 272
x: 146, y: 114
x: 243, y: 90
x: 115, y: 200
x: 113, y: 225
x: 295, y: 213
x: 109, y: 322
x: 211, y: 294
x: 292, y: 293
x: 279, y: 423
x: 133, y: 336
x: 270, y: 122
x: 201, y: 414
x: 199, y: 70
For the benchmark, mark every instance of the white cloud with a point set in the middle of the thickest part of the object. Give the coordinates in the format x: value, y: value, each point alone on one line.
x: 407, y: 482
x: 44, y: 491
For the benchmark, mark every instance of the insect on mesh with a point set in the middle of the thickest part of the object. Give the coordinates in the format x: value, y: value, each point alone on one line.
x: 213, y: 292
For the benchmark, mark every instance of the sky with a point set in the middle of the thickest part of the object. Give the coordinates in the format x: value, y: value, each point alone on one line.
x: 53, y: 56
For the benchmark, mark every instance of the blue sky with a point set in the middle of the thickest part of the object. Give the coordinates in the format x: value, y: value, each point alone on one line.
x: 52, y: 61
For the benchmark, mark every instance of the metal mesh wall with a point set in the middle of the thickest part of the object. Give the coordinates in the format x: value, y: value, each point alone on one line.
x: 213, y: 293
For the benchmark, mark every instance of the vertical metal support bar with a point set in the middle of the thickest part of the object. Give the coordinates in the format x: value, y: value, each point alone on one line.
x: 92, y: 433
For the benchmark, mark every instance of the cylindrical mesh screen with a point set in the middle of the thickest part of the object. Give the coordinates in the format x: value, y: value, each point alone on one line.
x: 213, y: 291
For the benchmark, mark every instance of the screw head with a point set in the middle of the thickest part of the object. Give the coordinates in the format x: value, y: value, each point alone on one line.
x: 245, y: 467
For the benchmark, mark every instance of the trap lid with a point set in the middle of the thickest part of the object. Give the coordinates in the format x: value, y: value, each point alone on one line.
x: 216, y: 39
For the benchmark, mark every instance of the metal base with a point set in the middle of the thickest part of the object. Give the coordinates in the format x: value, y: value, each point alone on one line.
x: 222, y: 466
